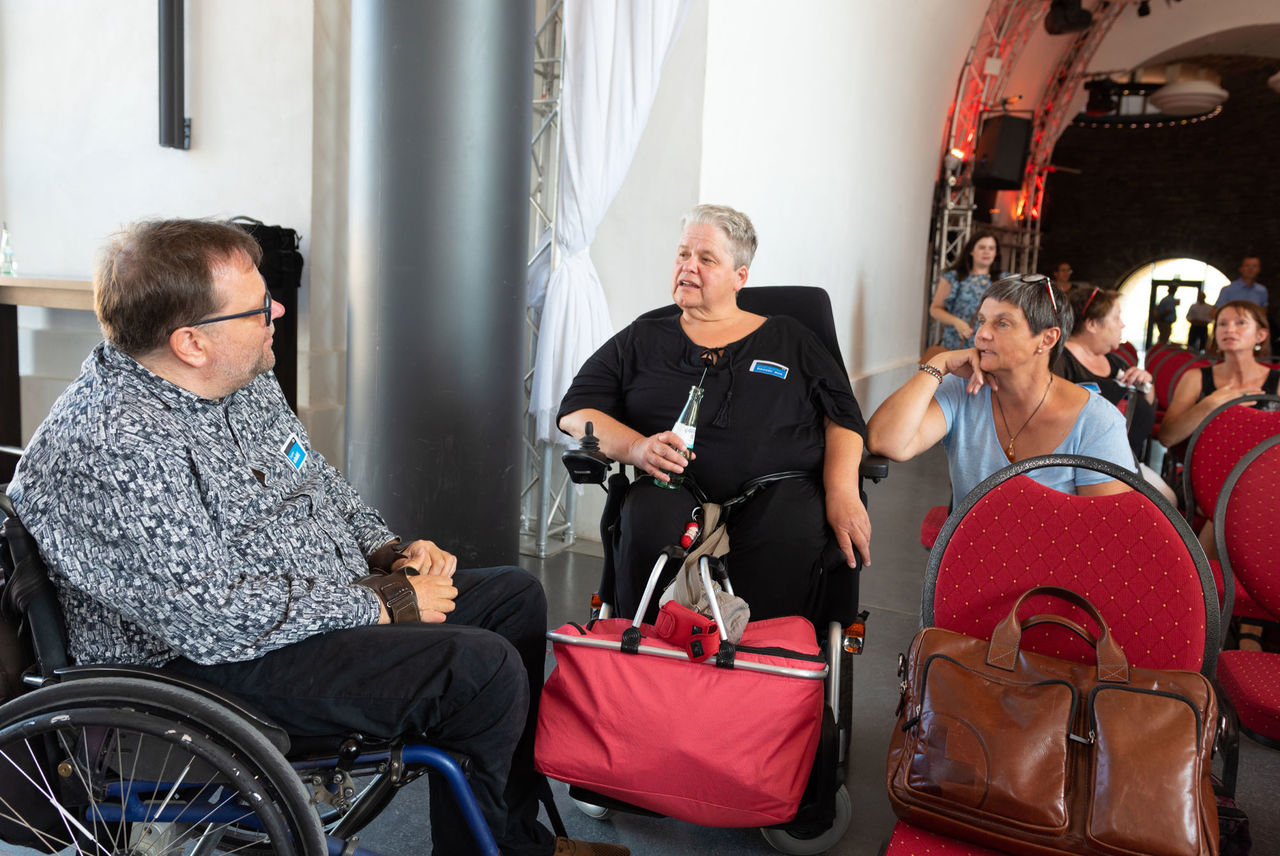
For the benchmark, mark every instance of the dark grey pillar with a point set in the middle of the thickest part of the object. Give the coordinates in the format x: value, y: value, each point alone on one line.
x: 439, y: 182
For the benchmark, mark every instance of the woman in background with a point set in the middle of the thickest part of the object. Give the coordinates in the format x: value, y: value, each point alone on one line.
x: 959, y: 291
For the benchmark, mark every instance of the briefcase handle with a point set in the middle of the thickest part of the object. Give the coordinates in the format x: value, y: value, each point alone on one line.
x: 1007, y: 638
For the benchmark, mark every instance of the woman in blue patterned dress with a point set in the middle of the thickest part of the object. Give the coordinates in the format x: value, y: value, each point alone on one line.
x: 959, y: 291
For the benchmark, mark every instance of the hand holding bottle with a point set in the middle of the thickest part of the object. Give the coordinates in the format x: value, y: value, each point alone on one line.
x: 660, y: 455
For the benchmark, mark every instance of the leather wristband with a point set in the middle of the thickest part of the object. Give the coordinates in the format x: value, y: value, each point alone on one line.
x: 396, y: 593
x: 385, y: 556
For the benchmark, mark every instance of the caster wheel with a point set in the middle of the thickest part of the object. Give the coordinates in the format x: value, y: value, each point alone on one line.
x: 786, y: 842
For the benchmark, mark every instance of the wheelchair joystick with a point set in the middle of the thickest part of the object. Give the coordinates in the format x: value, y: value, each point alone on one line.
x: 587, y: 464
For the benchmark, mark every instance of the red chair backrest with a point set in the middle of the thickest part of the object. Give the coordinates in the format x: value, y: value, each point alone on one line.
x: 1224, y: 437
x: 1127, y: 352
x: 1166, y: 374
x: 1245, y: 523
x: 1130, y: 554
x: 1160, y: 353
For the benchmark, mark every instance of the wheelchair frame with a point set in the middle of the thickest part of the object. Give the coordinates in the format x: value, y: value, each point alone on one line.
x: 299, y: 792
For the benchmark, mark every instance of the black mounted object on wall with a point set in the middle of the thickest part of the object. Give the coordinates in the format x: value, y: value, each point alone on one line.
x: 175, y: 128
x: 1001, y: 155
x: 1066, y: 16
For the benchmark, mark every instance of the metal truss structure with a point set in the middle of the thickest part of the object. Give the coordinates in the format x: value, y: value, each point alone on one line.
x: 547, y: 498
x: 1001, y: 39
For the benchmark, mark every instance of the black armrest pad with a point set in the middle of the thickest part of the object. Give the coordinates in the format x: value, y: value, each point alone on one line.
x: 874, y: 467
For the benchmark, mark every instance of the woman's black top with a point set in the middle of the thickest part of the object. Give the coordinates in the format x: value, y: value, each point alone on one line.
x: 1208, y: 384
x: 1144, y: 414
x: 766, y: 396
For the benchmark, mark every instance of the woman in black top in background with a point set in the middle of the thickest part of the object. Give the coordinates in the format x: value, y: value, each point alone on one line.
x: 1089, y: 357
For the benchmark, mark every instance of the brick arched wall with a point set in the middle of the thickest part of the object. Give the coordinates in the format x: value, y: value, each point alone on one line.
x: 1207, y: 191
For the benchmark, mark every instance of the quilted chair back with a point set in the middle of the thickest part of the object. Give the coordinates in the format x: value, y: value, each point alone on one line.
x: 1128, y: 352
x: 1165, y: 379
x: 1224, y: 437
x: 1130, y: 554
x: 1245, y: 523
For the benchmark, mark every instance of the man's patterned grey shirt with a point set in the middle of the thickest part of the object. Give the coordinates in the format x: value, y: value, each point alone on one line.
x: 176, y: 526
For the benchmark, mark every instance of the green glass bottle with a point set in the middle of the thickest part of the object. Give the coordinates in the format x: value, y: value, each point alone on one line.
x: 685, y: 428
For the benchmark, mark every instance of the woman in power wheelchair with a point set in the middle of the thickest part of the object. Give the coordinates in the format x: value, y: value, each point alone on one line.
x: 776, y: 400
x: 132, y: 760
x: 778, y: 446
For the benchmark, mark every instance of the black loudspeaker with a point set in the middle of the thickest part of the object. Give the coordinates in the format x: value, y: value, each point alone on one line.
x: 1001, y: 155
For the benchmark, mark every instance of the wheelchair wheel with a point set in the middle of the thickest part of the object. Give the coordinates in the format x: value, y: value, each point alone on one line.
x: 593, y: 811
x: 127, y: 766
x: 794, y: 845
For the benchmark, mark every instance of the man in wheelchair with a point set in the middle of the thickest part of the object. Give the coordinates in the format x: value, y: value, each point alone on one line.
x: 188, y: 525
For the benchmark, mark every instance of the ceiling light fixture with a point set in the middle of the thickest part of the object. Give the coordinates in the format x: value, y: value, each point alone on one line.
x: 1188, y: 97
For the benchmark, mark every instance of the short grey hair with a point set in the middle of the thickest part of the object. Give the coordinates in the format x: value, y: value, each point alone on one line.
x: 1041, y: 302
x: 735, y: 225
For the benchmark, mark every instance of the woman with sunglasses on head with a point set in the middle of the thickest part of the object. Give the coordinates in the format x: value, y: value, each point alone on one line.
x: 1090, y: 358
x: 1240, y: 336
x: 998, y: 402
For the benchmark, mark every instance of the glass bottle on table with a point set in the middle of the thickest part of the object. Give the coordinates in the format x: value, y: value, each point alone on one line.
x: 685, y: 428
x: 7, y: 267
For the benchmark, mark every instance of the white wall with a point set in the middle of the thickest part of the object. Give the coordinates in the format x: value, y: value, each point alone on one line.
x: 824, y: 122
x: 79, y: 140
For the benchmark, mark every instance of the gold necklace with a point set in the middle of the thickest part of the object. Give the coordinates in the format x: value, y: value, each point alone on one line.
x: 1008, y: 450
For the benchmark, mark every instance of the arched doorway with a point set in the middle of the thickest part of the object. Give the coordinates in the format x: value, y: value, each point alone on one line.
x: 1142, y: 289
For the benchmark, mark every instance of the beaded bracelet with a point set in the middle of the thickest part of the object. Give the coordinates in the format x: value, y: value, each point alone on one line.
x: 928, y: 369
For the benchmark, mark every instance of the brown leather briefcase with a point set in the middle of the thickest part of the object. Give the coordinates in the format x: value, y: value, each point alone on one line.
x: 1035, y: 755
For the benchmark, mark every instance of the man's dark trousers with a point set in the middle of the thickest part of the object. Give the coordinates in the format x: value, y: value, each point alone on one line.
x: 465, y: 685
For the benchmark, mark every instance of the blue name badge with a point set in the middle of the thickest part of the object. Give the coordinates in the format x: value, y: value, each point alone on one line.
x: 294, y: 452
x: 765, y: 367
x: 1090, y: 385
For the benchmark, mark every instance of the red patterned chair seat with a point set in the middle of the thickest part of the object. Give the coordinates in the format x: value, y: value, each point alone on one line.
x: 909, y: 841
x: 1251, y: 679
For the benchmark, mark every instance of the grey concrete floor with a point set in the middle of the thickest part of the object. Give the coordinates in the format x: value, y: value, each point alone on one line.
x: 891, y: 589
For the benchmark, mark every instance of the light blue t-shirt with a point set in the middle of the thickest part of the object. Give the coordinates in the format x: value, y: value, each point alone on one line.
x: 1238, y: 290
x: 973, y: 451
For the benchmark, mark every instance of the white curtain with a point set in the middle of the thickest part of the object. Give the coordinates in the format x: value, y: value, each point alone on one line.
x: 614, y: 52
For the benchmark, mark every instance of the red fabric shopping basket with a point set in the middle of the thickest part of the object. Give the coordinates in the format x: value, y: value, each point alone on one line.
x: 694, y: 741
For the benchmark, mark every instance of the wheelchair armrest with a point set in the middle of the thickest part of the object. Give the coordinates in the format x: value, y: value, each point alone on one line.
x: 874, y: 467
x: 587, y: 464
x: 278, y: 736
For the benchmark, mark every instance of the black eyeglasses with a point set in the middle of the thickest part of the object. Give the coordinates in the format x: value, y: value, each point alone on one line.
x: 265, y: 312
x: 1037, y: 279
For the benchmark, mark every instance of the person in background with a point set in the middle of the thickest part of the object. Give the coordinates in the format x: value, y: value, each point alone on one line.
x: 1240, y: 335
x: 1062, y: 278
x: 959, y: 291
x: 1166, y: 314
x: 1246, y: 287
x: 1198, y: 317
x: 999, y: 402
x: 1090, y: 358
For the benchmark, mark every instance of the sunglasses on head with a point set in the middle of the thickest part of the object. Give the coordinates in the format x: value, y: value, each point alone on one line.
x: 1037, y: 279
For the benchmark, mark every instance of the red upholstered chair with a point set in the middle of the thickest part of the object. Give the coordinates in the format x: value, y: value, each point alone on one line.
x: 1131, y: 554
x: 1128, y: 352
x: 932, y: 525
x: 1224, y: 437
x: 1245, y: 534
